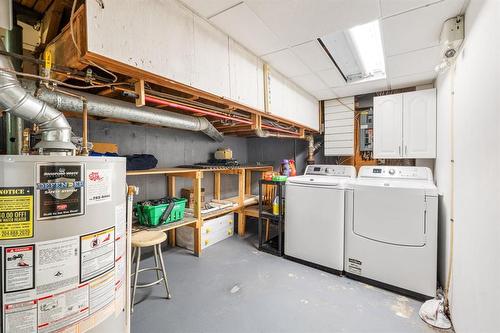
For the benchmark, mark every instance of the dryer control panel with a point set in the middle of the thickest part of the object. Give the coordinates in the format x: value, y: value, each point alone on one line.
x: 331, y: 170
x: 395, y: 172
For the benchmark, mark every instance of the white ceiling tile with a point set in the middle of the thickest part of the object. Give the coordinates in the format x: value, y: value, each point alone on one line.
x: 313, y: 55
x: 207, y: 8
x: 286, y: 63
x: 418, y: 28
x: 412, y: 80
x: 415, y: 62
x: 361, y: 88
x: 324, y: 94
x: 393, y: 7
x: 331, y: 77
x: 309, y: 82
x: 298, y: 21
x: 244, y: 26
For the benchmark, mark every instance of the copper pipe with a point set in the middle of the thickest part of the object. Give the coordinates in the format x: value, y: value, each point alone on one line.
x: 85, y: 151
x: 196, y: 110
x: 26, y: 142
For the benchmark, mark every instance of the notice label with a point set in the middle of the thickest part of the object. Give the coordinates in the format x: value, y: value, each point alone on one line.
x: 97, y: 254
x: 21, y: 317
x: 61, y: 190
x: 102, y: 292
x: 16, y: 212
x: 64, y: 309
x: 57, y: 265
x: 19, y: 268
x: 98, y: 185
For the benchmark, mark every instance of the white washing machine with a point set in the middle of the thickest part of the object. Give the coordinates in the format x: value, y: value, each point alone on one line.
x: 391, y: 233
x: 314, y: 216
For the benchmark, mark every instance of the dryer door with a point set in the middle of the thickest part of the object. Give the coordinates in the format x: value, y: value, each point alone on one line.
x: 390, y: 215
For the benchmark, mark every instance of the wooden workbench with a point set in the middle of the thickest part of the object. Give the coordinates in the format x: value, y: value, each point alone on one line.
x: 196, y: 219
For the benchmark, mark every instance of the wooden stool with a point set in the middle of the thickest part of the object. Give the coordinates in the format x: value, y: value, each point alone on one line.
x: 145, y: 239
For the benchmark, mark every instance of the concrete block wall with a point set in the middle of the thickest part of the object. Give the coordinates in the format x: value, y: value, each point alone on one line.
x: 171, y: 147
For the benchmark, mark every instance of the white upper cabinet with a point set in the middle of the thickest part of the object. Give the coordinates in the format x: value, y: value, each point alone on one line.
x: 419, y: 126
x: 387, y: 126
x: 404, y: 125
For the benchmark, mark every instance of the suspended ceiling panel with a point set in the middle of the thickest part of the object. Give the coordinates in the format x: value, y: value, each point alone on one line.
x: 313, y: 56
x: 299, y: 21
x: 208, y: 8
x: 332, y: 77
x: 419, y: 61
x: 394, y: 7
x: 324, y: 94
x: 417, y: 29
x: 287, y: 63
x: 361, y: 88
x: 241, y: 23
x: 414, y: 79
x: 309, y: 82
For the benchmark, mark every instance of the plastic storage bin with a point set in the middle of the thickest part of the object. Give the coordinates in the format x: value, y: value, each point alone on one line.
x: 149, y: 215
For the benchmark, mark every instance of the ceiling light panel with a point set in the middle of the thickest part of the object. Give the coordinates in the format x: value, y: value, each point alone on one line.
x: 358, y: 52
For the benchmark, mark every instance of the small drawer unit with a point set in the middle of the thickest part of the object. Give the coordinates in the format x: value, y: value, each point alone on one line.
x: 212, y: 231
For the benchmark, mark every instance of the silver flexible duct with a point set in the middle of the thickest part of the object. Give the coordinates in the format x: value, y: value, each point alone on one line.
x: 55, y: 129
x: 111, y: 108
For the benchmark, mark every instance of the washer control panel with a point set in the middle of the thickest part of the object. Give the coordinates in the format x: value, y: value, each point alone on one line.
x: 395, y: 172
x: 331, y: 170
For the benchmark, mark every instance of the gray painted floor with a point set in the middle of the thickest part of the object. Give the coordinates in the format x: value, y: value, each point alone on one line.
x: 235, y: 288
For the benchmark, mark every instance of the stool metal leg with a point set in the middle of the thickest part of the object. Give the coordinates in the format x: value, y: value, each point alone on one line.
x: 163, y: 271
x: 136, y: 274
x: 157, y: 263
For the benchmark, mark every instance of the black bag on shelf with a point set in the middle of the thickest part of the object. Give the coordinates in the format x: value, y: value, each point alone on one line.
x: 141, y: 162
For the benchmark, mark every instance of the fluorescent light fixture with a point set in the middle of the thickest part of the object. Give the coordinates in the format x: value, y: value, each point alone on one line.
x: 368, y: 44
x: 357, y: 53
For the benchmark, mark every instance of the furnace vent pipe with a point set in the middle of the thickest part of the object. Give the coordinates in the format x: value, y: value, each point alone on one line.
x: 55, y: 129
x: 110, y: 108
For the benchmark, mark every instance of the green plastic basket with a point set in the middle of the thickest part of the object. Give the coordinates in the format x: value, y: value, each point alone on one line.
x: 150, y: 215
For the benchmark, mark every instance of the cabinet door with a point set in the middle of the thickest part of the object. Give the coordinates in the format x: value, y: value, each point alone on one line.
x: 387, y: 126
x: 419, y: 124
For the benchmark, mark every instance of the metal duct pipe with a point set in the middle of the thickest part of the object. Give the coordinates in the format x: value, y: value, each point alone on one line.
x: 56, y: 131
x: 266, y: 134
x: 110, y: 108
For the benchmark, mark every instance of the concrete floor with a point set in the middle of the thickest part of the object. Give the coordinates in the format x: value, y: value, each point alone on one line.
x: 235, y: 288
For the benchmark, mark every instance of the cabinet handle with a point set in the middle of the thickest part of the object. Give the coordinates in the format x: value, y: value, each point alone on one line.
x: 406, y: 150
x: 399, y: 150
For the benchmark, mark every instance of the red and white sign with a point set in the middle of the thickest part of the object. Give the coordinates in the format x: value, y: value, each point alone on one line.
x: 98, y: 184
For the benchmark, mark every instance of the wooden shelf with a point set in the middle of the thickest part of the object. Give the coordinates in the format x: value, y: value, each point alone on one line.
x: 218, y: 213
x: 187, y: 220
x: 196, y: 218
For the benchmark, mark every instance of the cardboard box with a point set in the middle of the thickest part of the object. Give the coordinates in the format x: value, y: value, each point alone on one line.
x: 104, y: 147
x: 188, y: 194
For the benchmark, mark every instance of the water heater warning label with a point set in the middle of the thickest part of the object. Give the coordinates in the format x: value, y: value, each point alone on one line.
x: 16, y: 212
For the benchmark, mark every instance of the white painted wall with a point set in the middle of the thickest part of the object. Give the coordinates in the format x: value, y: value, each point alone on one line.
x: 474, y: 291
x: 289, y: 101
x: 166, y: 38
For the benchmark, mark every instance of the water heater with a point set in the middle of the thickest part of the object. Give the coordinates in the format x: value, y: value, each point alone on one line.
x: 63, y: 249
